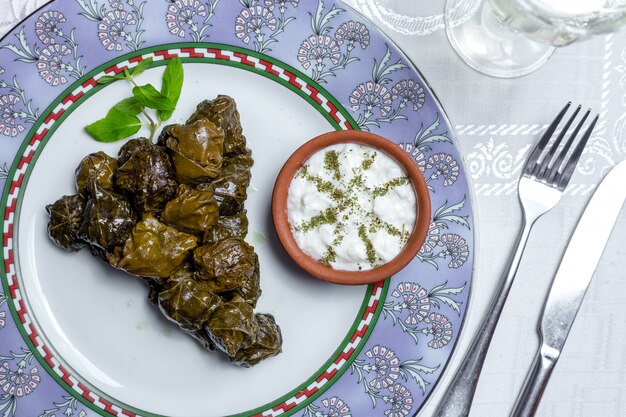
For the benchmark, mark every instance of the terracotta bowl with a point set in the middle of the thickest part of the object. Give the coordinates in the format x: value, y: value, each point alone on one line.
x: 326, y: 273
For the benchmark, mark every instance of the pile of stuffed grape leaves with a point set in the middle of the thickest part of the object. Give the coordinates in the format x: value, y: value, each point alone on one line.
x: 172, y: 213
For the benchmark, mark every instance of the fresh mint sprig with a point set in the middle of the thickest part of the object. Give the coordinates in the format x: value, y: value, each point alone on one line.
x: 122, y: 120
x: 173, y: 78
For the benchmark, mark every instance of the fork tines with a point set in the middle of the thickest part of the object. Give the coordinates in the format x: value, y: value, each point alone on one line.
x: 550, y: 165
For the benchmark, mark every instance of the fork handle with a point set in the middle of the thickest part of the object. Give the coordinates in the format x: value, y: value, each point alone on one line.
x: 535, y: 384
x: 457, y: 400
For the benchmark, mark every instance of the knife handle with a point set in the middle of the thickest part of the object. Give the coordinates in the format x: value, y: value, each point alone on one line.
x: 536, y: 382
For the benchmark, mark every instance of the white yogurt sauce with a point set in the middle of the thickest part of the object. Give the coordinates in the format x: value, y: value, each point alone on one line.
x: 351, y: 207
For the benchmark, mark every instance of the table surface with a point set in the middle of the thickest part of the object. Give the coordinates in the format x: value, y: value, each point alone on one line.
x: 497, y: 122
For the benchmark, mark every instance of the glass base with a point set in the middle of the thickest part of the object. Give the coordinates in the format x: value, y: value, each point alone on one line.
x: 488, y: 46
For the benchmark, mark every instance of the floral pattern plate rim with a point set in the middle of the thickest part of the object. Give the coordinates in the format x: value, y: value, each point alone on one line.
x: 337, y: 62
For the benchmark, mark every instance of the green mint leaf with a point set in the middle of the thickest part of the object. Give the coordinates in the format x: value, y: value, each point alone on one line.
x: 130, y: 106
x: 143, y: 65
x: 110, y: 78
x: 173, y: 78
x: 151, y: 98
x: 116, y: 126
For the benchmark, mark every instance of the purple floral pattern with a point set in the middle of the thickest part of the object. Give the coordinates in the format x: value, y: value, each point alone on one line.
x: 444, y: 166
x: 51, y: 64
x: 48, y: 27
x: 456, y: 249
x: 316, y: 49
x: 400, y: 400
x: 441, y: 330
x: 16, y: 112
x: 414, y: 300
x: 113, y: 29
x: 353, y: 33
x: 432, y: 239
x: 389, y: 98
x: 322, y: 52
x: 417, y: 154
x: 9, y: 116
x: 385, y: 366
x: 371, y: 96
x: 190, y: 18
x: 328, y: 407
x: 409, y: 92
x: 17, y: 382
x: 281, y: 4
x: 68, y: 407
x: 19, y: 379
x: 379, y: 370
x: 58, y: 59
x: 441, y: 246
x: 375, y: 101
x: 260, y: 24
x: 116, y: 4
x: 119, y: 27
x: 412, y: 309
x: 252, y: 21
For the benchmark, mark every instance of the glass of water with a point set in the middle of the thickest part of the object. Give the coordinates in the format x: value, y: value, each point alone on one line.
x: 510, y: 38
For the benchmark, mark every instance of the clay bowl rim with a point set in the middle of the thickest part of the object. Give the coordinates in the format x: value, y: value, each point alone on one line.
x: 326, y: 273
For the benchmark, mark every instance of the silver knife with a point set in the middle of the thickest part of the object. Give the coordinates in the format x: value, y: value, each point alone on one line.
x: 570, y: 284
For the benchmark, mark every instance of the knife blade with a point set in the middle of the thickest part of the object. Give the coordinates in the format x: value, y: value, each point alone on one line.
x: 581, y: 258
x: 571, y: 281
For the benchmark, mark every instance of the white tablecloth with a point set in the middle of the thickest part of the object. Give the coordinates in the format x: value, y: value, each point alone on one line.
x: 497, y: 122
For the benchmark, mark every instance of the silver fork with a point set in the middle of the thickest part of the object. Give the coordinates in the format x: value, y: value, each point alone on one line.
x: 541, y: 186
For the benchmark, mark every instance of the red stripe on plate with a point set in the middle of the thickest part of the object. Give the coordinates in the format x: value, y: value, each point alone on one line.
x: 244, y: 59
x: 107, y: 407
x: 314, y: 93
x: 72, y: 97
x: 293, y: 80
x: 33, y: 334
x: 66, y: 375
x: 269, y: 67
x: 191, y: 51
x: 218, y: 54
x: 90, y: 82
x: 86, y: 393
x: 22, y: 309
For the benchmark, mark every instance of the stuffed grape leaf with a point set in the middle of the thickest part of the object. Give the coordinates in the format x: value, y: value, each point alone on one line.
x: 130, y: 148
x: 250, y: 291
x: 231, y: 187
x: 269, y: 341
x: 232, y: 327
x: 154, y: 249
x: 146, y: 176
x: 228, y: 226
x: 146, y: 211
x: 188, y: 302
x: 96, y: 168
x: 223, y: 112
x: 108, y: 218
x: 226, y: 265
x: 196, y: 150
x: 192, y: 211
x: 66, y: 217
